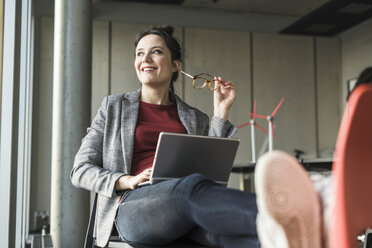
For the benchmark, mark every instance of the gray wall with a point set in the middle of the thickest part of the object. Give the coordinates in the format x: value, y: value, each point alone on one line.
x: 265, y: 67
x: 328, y: 77
x: 356, y: 45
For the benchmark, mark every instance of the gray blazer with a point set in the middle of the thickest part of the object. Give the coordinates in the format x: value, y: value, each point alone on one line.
x: 106, y: 151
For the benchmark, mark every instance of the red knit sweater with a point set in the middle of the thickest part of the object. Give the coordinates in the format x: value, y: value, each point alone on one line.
x: 152, y: 119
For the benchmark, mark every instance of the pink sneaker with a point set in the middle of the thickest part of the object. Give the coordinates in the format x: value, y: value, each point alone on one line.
x: 287, y: 203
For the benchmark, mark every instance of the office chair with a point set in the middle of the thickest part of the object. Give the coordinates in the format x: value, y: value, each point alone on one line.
x: 352, y: 171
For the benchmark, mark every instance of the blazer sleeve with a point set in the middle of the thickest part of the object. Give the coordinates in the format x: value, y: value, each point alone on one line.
x: 88, y: 172
x: 221, y: 128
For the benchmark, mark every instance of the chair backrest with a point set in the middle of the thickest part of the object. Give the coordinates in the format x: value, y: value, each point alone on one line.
x: 352, y: 171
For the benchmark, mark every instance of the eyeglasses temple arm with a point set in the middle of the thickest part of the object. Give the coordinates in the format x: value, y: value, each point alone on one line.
x: 187, y: 74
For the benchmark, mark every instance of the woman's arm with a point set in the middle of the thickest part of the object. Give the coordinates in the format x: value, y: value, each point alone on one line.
x: 223, y: 98
x: 88, y: 172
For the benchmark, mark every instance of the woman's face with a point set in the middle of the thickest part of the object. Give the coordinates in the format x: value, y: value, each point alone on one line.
x: 153, y: 61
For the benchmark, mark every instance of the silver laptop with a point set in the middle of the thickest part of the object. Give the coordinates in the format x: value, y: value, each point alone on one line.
x: 179, y: 155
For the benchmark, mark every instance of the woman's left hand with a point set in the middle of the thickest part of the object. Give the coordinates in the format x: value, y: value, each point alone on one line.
x: 224, y: 97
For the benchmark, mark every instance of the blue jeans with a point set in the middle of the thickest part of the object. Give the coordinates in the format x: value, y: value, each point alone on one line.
x: 207, y: 212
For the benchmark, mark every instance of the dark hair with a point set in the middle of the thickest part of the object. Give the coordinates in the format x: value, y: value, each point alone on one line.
x: 364, y: 77
x: 165, y: 32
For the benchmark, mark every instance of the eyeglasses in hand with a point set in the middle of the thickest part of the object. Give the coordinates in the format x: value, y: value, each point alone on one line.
x: 203, y: 80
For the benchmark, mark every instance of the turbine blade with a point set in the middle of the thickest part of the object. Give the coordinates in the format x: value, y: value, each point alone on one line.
x: 277, y: 107
x: 259, y: 116
x: 261, y: 128
x: 243, y: 125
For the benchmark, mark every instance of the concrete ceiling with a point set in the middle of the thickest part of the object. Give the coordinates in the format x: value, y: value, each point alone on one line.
x: 271, y: 16
x: 249, y: 15
x: 296, y: 8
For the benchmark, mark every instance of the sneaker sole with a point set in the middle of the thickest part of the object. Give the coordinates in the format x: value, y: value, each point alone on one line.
x: 285, y: 193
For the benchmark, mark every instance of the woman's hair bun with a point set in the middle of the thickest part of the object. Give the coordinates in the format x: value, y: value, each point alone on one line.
x: 168, y: 29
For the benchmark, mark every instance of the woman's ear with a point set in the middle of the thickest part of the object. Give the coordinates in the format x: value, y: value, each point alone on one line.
x: 176, y: 65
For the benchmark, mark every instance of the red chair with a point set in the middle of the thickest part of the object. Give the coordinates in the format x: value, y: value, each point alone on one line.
x: 352, y: 171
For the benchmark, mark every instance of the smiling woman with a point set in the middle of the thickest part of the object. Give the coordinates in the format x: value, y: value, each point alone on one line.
x: 117, y: 154
x: 155, y: 67
x: 166, y: 44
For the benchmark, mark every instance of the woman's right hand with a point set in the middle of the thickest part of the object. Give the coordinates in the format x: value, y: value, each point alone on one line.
x: 131, y: 182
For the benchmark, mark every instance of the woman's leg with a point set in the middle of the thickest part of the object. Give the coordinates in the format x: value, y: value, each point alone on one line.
x: 163, y: 212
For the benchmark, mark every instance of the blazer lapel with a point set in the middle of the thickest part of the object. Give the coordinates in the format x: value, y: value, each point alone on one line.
x: 187, y: 115
x: 129, y: 115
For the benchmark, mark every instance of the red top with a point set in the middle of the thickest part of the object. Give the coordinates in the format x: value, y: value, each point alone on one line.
x: 152, y: 119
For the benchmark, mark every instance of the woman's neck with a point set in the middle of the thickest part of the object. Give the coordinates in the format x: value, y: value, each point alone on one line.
x: 155, y: 95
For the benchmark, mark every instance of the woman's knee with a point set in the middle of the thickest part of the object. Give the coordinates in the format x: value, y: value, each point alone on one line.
x: 191, y: 183
x: 194, y: 179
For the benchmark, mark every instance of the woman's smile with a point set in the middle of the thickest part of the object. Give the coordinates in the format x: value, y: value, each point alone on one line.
x: 148, y: 69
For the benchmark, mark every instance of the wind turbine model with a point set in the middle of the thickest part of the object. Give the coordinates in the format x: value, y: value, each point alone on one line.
x: 270, y: 119
x: 253, y: 124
